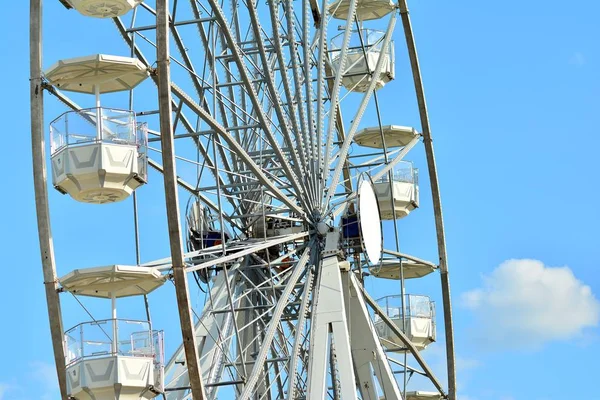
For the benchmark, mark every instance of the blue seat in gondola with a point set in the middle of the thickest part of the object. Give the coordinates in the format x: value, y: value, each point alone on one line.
x: 350, y: 228
x: 206, y: 239
x: 212, y: 238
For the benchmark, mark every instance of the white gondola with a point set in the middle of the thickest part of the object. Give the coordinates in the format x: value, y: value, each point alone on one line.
x: 419, y: 320
x: 114, y: 359
x: 394, y: 136
x: 104, y: 8
x: 365, y: 9
x: 363, y: 52
x: 98, y: 154
x: 405, y: 190
x: 390, y: 269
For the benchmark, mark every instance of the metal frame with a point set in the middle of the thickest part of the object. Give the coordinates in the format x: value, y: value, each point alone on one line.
x: 271, y: 103
x: 40, y: 181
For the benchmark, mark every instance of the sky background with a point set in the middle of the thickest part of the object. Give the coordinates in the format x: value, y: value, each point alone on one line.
x: 513, y: 95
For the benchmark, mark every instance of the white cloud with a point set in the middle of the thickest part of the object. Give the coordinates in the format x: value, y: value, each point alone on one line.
x: 524, y: 303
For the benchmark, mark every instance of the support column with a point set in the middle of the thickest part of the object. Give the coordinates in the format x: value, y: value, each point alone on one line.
x: 172, y: 200
x: 436, y: 197
x: 115, y: 332
x: 38, y: 149
x: 329, y: 315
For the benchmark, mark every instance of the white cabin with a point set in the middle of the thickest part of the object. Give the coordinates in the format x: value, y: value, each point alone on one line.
x: 363, y: 52
x: 100, y: 367
x: 98, y: 154
x: 402, y: 195
x: 94, y: 167
x: 114, y: 359
x: 419, y: 321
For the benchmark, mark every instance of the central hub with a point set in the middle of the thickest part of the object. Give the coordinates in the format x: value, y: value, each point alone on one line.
x: 322, y: 228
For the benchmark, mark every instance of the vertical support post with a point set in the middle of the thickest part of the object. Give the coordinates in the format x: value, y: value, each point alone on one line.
x: 329, y: 316
x: 115, y: 332
x: 98, y: 114
x: 38, y: 149
x: 435, y: 193
x: 172, y: 200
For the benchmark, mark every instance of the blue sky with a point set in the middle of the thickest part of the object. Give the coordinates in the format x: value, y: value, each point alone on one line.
x: 513, y: 91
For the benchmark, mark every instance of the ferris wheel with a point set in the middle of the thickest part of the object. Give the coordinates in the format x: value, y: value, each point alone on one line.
x: 281, y: 221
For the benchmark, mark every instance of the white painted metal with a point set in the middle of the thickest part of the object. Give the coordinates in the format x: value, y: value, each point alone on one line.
x: 99, y: 73
x: 112, y: 281
x: 213, y: 332
x: 402, y: 194
x: 98, y: 172
x: 394, y: 135
x: 277, y: 323
x: 369, y: 221
x: 362, y: 58
x: 110, y: 166
x: 328, y: 318
x: 104, y: 8
x: 420, y: 395
x: 390, y: 269
x: 114, y: 360
x: 417, y: 322
x: 112, y: 378
x: 367, y: 352
x: 257, y: 369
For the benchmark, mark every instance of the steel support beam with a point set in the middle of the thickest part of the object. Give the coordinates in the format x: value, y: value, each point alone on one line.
x: 38, y: 151
x: 251, y: 250
x: 436, y: 197
x: 329, y: 317
x: 258, y: 368
x: 172, y: 200
x: 343, y: 153
x: 367, y: 350
x: 237, y: 148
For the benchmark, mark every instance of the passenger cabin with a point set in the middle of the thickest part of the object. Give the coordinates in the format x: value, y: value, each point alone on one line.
x: 418, y: 323
x: 362, y: 55
x: 98, y: 154
x: 114, y: 358
x: 401, y: 195
x: 365, y: 9
x: 104, y: 8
